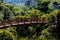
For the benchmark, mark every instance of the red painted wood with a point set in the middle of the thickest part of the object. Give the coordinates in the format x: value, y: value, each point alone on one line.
x: 21, y: 21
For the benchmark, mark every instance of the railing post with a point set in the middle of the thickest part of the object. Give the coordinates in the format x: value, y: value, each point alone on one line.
x: 31, y: 20
x: 0, y: 23
x: 17, y: 20
x: 11, y: 21
x: 24, y: 20
x: 37, y: 19
x: 4, y: 23
x: 43, y: 20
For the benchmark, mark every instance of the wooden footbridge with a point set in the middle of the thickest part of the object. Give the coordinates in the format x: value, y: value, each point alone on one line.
x: 14, y: 22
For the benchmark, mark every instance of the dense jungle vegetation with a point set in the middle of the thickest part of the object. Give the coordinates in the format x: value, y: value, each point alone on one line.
x: 42, y: 10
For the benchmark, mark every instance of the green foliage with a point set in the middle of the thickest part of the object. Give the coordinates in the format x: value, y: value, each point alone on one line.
x: 43, y: 6
x: 6, y: 35
x: 35, y: 13
x: 28, y: 32
x: 1, y: 16
x: 1, y: 1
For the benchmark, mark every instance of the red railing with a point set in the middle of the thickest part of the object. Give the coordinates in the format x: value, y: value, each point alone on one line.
x: 21, y: 22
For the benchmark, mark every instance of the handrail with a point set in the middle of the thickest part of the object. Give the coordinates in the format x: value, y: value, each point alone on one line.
x: 21, y: 22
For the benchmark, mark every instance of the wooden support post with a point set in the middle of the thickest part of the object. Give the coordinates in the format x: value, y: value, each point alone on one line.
x: 0, y: 23
x: 37, y: 19
x: 4, y: 23
x: 31, y: 20
x: 17, y: 20
x: 24, y: 21
x: 11, y: 22
x: 43, y: 20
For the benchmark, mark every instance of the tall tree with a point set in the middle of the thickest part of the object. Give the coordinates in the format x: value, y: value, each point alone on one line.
x: 43, y: 6
x: 1, y: 1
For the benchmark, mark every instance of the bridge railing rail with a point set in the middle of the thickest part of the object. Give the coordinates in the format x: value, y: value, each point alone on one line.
x: 21, y: 21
